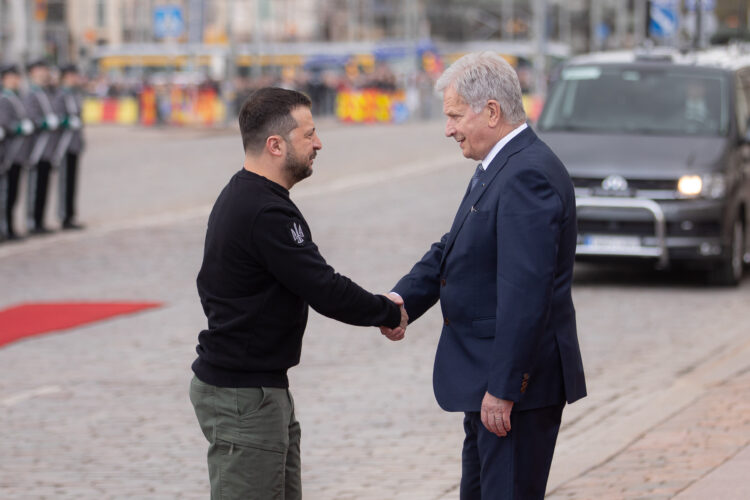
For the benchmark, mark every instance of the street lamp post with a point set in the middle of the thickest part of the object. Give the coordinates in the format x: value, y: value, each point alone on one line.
x: 698, y: 37
x: 540, y: 36
x: 595, y: 19
x: 231, y: 65
x: 507, y: 19
x: 412, y: 39
x: 257, y: 39
x: 565, y: 29
x: 621, y: 23
x: 639, y: 23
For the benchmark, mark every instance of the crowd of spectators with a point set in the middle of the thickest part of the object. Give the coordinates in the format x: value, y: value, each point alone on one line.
x: 320, y: 83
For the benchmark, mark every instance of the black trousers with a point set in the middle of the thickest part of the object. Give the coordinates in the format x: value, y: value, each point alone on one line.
x: 514, y: 467
x: 9, y: 196
x: 67, y: 184
x: 38, y: 187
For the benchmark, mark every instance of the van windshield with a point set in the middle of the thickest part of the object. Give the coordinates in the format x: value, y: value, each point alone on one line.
x: 671, y: 101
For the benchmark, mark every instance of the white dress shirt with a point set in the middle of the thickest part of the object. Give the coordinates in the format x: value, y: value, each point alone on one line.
x: 500, y: 144
x: 491, y: 155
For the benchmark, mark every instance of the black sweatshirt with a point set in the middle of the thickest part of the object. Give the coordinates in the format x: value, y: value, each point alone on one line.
x: 260, y: 271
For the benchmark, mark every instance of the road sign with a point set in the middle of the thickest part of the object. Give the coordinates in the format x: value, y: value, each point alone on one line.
x: 195, y: 21
x: 602, y: 32
x: 168, y: 21
x: 663, y: 18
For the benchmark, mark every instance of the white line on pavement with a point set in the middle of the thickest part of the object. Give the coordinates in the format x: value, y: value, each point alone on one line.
x: 339, y: 185
x: 575, y: 456
x: 32, y: 393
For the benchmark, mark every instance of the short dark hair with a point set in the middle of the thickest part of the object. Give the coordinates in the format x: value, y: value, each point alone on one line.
x: 267, y: 112
x: 68, y: 69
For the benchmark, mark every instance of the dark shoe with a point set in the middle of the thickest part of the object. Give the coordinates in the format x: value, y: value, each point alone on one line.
x: 72, y: 226
x: 40, y: 231
x: 14, y: 237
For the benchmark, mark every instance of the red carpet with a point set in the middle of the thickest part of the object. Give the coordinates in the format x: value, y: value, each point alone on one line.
x: 34, y: 319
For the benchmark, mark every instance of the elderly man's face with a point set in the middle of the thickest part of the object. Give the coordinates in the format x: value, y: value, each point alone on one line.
x: 470, y: 129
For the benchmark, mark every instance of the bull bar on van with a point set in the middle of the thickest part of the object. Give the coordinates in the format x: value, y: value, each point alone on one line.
x: 660, y: 229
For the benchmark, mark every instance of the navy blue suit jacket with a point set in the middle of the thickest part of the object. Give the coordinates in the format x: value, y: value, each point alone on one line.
x: 503, y: 276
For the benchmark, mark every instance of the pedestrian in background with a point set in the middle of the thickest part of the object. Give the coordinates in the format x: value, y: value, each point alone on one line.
x: 67, y: 105
x: 261, y: 270
x: 38, y: 102
x: 17, y: 130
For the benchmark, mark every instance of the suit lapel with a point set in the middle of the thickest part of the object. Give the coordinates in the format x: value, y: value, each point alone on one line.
x: 518, y: 143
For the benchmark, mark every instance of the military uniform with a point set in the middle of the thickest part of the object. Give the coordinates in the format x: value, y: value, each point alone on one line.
x: 67, y: 105
x: 39, y: 105
x: 15, y: 149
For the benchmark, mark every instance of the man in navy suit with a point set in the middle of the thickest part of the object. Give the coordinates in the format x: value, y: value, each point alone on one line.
x: 508, y: 355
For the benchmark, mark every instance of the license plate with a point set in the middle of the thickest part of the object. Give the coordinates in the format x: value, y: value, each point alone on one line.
x: 613, y: 243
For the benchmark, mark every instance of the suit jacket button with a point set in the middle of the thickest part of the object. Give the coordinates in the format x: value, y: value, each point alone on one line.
x: 442, y: 282
x: 447, y: 322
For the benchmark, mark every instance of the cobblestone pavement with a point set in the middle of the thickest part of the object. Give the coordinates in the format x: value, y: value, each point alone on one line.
x: 669, y: 457
x: 102, y: 411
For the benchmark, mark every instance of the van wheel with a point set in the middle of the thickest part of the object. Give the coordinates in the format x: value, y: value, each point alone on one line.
x: 729, y: 270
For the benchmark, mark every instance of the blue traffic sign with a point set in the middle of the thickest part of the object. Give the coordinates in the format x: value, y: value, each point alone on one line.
x: 168, y: 21
x: 663, y: 18
x: 602, y: 32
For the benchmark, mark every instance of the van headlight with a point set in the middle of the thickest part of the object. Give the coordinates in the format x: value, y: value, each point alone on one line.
x: 712, y: 186
x: 690, y: 185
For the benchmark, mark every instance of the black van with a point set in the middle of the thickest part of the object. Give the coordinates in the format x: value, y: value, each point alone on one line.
x: 658, y: 146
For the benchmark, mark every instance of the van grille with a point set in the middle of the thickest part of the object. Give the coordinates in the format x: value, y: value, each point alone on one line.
x: 638, y: 184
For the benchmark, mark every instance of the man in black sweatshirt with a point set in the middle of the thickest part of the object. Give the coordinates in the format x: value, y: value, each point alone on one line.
x: 260, y: 272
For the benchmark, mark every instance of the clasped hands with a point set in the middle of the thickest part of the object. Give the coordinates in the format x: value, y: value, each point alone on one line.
x: 398, y: 332
x: 495, y: 412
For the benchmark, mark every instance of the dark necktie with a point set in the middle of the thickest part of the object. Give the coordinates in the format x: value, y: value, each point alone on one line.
x: 475, y: 177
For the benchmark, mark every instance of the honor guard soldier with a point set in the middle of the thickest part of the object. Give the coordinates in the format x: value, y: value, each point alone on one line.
x: 39, y: 104
x: 17, y: 129
x: 67, y: 105
x: 3, y: 180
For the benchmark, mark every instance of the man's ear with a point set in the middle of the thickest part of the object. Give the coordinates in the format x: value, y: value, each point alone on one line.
x: 275, y: 145
x: 494, y: 114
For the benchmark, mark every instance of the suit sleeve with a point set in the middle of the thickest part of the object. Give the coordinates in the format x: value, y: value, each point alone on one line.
x: 528, y: 228
x: 283, y: 244
x: 420, y: 289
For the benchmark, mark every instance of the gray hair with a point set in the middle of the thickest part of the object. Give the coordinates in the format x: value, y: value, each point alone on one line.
x: 482, y: 76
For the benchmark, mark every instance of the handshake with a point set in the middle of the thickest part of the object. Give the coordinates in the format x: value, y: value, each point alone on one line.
x: 398, y: 332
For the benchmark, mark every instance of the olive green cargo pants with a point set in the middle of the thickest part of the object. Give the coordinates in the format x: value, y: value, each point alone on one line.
x: 254, y: 441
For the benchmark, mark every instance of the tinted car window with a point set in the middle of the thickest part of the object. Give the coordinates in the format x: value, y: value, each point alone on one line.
x: 617, y: 99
